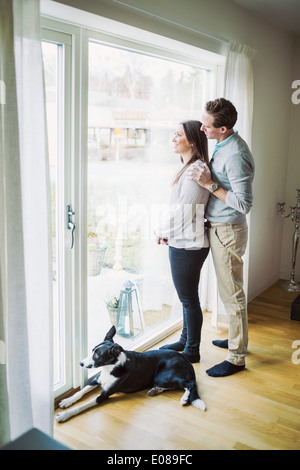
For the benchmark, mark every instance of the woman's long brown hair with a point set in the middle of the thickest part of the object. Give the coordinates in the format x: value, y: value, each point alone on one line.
x: 195, y: 136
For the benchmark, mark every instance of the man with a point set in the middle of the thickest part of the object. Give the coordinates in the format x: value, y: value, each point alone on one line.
x: 229, y: 180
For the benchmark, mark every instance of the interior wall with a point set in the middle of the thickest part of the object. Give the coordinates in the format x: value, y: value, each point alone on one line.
x: 273, y: 71
x: 293, y: 174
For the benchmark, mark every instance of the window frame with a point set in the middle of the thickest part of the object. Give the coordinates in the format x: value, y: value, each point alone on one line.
x: 64, y: 258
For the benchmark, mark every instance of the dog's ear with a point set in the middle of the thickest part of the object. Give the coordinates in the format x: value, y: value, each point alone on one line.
x: 110, y: 334
x: 115, y: 350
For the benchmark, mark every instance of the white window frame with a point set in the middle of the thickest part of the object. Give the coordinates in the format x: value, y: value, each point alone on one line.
x: 64, y: 257
x: 70, y: 22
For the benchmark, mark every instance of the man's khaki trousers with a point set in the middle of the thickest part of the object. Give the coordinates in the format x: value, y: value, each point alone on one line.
x: 228, y: 244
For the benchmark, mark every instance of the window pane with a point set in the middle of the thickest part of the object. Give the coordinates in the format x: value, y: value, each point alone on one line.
x: 136, y: 102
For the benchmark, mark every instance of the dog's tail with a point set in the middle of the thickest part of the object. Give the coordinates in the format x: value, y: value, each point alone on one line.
x: 191, y: 396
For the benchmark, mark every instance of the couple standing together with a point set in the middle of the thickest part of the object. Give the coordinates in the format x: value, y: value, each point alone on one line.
x: 220, y: 191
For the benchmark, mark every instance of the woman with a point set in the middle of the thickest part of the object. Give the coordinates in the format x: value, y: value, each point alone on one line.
x: 185, y: 234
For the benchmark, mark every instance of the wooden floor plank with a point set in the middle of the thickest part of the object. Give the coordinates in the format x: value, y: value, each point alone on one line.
x: 258, y: 408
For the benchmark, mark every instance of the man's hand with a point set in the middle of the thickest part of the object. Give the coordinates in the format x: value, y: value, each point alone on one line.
x: 200, y: 174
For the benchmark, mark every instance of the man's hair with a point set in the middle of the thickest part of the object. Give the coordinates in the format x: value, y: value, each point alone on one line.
x: 223, y: 111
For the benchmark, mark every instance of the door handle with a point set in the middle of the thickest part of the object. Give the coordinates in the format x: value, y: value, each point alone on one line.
x: 70, y: 223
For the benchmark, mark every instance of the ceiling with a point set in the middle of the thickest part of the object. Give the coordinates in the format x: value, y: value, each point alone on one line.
x: 282, y: 13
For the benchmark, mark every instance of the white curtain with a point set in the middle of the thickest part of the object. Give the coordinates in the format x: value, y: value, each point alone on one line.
x: 238, y: 88
x: 25, y: 236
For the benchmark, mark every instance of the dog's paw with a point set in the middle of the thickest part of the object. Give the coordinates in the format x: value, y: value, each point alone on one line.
x: 184, y: 400
x: 63, y: 416
x: 155, y: 391
x: 66, y: 402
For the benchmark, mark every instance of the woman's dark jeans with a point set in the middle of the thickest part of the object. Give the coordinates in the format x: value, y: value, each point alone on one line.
x: 186, y: 267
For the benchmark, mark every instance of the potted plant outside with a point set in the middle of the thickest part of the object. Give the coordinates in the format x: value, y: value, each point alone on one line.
x: 96, y: 253
x: 112, y: 305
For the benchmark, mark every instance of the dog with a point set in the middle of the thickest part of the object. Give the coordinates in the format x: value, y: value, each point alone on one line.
x: 128, y: 371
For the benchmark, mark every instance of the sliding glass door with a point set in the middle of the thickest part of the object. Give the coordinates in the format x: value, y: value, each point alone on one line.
x: 135, y: 103
x: 113, y: 106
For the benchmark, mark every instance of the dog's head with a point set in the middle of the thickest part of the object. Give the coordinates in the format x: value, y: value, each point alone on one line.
x: 105, y: 353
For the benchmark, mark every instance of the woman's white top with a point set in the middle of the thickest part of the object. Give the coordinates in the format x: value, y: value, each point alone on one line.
x: 183, y: 225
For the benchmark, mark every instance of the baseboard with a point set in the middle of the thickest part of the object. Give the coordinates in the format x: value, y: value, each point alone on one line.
x: 287, y: 276
x: 253, y: 293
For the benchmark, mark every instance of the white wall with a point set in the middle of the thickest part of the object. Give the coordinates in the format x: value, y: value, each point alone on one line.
x: 273, y: 133
x: 293, y: 177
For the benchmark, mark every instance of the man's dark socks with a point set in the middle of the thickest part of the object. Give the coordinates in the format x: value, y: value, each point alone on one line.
x: 178, y: 346
x: 224, y: 369
x: 221, y: 343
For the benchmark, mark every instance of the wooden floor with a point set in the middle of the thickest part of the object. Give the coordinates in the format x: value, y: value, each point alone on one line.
x: 258, y: 408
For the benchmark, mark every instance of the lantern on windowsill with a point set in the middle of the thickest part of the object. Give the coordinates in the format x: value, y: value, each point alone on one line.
x: 129, y: 311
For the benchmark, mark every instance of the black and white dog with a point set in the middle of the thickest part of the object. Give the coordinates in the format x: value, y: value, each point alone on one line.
x: 129, y: 371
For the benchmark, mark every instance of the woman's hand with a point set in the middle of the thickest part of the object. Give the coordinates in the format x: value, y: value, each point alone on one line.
x: 162, y: 241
